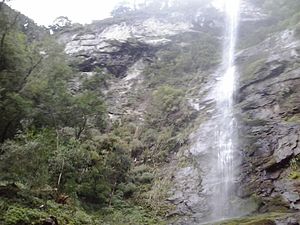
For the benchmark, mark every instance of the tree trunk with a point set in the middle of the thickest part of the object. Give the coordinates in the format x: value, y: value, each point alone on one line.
x: 60, y: 174
x: 81, y: 129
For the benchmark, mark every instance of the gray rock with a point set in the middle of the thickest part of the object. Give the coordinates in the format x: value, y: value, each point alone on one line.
x: 267, y: 99
x: 118, y: 46
x: 291, y: 196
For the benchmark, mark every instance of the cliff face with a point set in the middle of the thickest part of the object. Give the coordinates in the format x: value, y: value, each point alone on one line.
x: 144, y: 52
x: 132, y: 48
x: 118, y: 45
x: 268, y: 100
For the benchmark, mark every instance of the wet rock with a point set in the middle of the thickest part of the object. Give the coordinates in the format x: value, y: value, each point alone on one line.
x: 287, y: 221
x: 291, y: 196
x: 274, y: 175
x: 266, y: 188
x: 286, y: 146
x: 292, y: 221
x: 248, y: 189
x: 267, y: 99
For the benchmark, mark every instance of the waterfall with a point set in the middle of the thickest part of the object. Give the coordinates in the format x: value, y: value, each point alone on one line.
x: 225, y: 124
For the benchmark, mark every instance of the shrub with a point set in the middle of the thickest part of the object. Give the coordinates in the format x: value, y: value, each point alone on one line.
x: 16, y: 215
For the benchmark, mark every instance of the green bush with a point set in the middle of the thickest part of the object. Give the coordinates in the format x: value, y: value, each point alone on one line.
x: 167, y: 107
x: 145, y: 178
x: 133, y: 216
x: 128, y: 189
x: 17, y: 215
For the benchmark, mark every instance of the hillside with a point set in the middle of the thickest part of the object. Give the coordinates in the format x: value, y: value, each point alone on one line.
x: 115, y: 122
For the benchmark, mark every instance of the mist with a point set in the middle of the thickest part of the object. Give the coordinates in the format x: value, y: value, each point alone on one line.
x: 45, y: 12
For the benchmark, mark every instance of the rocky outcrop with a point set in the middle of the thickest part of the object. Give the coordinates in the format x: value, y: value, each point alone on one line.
x: 268, y: 100
x: 118, y: 45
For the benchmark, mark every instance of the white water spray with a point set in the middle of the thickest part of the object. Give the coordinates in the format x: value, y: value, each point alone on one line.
x: 225, y: 124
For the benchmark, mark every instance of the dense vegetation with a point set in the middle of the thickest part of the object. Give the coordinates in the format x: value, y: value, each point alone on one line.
x: 61, y: 157
x: 57, y: 146
x: 60, y: 154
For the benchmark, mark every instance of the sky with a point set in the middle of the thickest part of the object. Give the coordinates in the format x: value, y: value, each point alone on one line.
x: 44, y: 12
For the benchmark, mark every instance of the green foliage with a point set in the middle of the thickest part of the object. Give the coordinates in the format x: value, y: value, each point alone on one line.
x: 179, y: 64
x: 131, y: 215
x: 34, y: 85
x: 127, y: 189
x: 261, y: 219
x: 97, y: 81
x: 87, y: 106
x: 145, y: 178
x: 295, y: 175
x: 282, y: 15
x: 19, y: 57
x: 295, y: 163
x: 295, y: 168
x: 25, y: 159
x: 91, y: 170
x: 167, y: 115
x: 281, y: 9
x: 101, y: 181
x: 56, y: 141
x: 20, y: 215
x: 166, y: 107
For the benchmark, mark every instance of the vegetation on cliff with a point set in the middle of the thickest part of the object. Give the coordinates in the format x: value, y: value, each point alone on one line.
x: 62, y: 158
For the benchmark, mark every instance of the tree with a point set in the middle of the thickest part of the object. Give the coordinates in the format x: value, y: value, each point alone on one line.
x: 87, y: 107
x: 60, y: 23
x: 2, y: 3
x: 120, y: 10
x: 190, y: 7
x: 17, y: 62
x: 25, y: 159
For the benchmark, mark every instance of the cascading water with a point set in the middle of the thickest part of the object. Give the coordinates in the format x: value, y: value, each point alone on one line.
x: 225, y: 122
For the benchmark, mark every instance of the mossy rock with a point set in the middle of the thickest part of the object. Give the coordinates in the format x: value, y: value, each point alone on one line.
x: 294, y: 175
x: 276, y: 204
x: 261, y: 222
x: 293, y: 119
x: 261, y: 219
x: 251, y: 69
x: 254, y: 222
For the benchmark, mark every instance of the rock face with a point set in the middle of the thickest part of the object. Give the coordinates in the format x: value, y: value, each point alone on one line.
x: 118, y: 46
x: 268, y: 104
x: 268, y: 114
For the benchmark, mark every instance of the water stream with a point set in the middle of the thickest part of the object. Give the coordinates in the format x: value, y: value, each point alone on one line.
x: 225, y: 122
